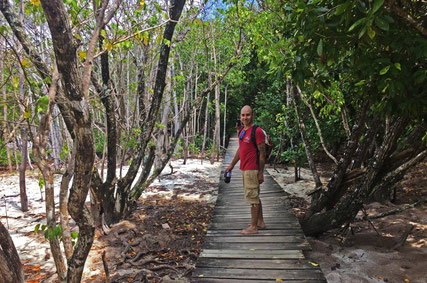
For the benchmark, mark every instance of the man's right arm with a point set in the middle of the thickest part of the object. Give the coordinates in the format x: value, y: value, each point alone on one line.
x: 234, y: 161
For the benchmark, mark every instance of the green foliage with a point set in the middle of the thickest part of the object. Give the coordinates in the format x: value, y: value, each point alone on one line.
x: 54, y: 232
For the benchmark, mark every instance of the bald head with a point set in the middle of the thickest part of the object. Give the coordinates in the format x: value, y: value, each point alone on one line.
x: 246, y: 108
x: 246, y: 116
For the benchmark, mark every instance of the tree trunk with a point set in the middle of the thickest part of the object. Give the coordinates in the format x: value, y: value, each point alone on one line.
x: 346, y: 210
x: 5, y: 131
x: 216, y: 133
x: 22, y: 169
x: 382, y: 191
x: 319, y: 131
x: 333, y: 190
x: 118, y: 205
x: 225, y: 117
x: 10, y: 264
x: 51, y: 223
x: 63, y: 207
x: 307, y: 144
x: 205, y: 128
x: 162, y: 132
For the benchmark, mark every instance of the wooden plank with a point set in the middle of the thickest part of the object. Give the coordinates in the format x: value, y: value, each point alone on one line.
x: 228, y: 280
x: 268, y: 274
x: 278, y: 211
x: 257, y: 246
x: 243, y: 225
x: 247, y: 218
x: 268, y: 232
x: 259, y: 263
x: 260, y: 239
x: 252, y: 254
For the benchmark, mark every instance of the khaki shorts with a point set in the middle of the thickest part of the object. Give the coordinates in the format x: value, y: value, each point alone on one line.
x: 251, y: 186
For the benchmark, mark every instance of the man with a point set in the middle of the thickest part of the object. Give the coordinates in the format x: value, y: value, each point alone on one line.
x: 252, y: 168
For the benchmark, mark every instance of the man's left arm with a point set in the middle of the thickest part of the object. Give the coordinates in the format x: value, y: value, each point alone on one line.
x: 261, y: 164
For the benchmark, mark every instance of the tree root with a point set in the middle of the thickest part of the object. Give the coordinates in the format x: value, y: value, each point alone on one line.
x: 391, y: 212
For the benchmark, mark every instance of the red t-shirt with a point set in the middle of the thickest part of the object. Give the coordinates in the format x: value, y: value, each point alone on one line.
x: 248, y: 152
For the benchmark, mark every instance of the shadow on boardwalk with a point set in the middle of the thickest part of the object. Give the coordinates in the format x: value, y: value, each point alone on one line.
x: 274, y: 254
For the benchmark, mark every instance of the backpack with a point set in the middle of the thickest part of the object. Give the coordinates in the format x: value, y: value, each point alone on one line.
x: 268, y: 142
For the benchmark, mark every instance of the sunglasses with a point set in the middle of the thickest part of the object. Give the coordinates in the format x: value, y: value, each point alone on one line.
x: 242, y: 134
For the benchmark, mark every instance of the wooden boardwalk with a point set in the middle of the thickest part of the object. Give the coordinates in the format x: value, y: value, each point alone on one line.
x: 274, y: 254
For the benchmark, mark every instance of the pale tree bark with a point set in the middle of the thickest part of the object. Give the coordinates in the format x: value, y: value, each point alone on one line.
x: 22, y: 169
x: 225, y: 116
x: 319, y: 131
x: 24, y: 153
x: 216, y: 133
x: 5, y: 127
x: 63, y: 207
x: 10, y: 264
x: 205, y: 127
x: 307, y: 144
x: 343, y: 113
x: 41, y: 158
x: 194, y: 117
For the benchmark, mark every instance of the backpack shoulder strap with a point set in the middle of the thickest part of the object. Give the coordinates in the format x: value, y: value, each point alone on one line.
x: 253, y: 138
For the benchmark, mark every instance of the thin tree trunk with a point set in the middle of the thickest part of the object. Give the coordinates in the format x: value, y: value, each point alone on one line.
x: 205, y: 128
x: 22, y: 169
x: 24, y: 133
x: 5, y: 131
x: 319, y: 131
x: 304, y: 137
x: 217, y: 131
x: 10, y: 264
x: 55, y: 247
x: 162, y: 132
x: 63, y: 207
x: 225, y: 116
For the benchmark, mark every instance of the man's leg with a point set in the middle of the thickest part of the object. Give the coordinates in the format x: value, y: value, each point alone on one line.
x: 260, y: 218
x: 253, y: 228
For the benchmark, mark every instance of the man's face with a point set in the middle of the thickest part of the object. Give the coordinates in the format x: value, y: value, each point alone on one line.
x: 246, y: 116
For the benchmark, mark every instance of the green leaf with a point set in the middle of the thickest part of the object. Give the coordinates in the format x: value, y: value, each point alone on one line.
x: 42, y: 104
x: 377, y: 5
x: 362, y: 32
x: 74, y: 235
x: 357, y: 23
x: 371, y: 33
x: 384, y: 70
x: 362, y: 82
x: 159, y: 125
x: 397, y: 66
x: 36, y: 229
x: 320, y: 48
x: 2, y: 29
x: 382, y: 24
x: 341, y: 8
